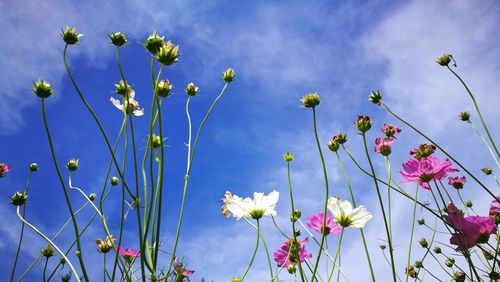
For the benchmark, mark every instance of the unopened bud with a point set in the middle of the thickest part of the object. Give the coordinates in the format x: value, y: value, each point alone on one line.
x: 118, y: 39
x: 191, y: 89
x: 459, y: 277
x: 228, y: 75
x: 42, y: 89
x: 72, y: 165
x: 363, y: 123
x: 114, y: 180
x: 92, y: 196
x: 423, y: 243
x: 421, y: 221
x: 291, y: 269
x: 444, y: 60
x: 33, y: 167
x: 487, y: 170
x: 288, y: 157
x: 375, y: 97
x: 449, y: 262
x: 168, y: 54
x: 47, y: 251
x: 164, y: 88
x: 468, y: 204
x: 154, y: 43
x: 464, y: 116
x: 437, y: 250
x: 19, y: 199
x: 310, y: 100
x: 70, y: 36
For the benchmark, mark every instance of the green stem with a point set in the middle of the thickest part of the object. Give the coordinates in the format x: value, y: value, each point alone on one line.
x: 254, y: 253
x: 301, y: 271
x: 66, y: 196
x: 265, y: 247
x: 485, y: 143
x: 389, y: 239
x: 326, y: 194
x: 477, y: 110
x: 412, y: 229
x: 336, y: 254
x: 77, y: 278
x: 389, y: 180
x: 22, y: 230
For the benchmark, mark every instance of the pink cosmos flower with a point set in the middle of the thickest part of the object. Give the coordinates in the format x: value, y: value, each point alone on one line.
x: 486, y: 226
x: 180, y: 271
x: 390, y: 130
x: 457, y: 182
x: 495, y: 206
x: 425, y: 170
x: 384, y: 146
x: 129, y: 254
x: 4, y: 168
x: 284, y: 257
x: 316, y: 223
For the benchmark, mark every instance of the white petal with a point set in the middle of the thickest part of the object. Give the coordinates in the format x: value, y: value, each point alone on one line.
x: 116, y: 103
x: 139, y: 112
x: 360, y: 216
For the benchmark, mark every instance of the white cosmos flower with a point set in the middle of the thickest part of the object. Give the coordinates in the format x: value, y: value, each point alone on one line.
x: 346, y: 216
x: 255, y: 208
x: 131, y: 106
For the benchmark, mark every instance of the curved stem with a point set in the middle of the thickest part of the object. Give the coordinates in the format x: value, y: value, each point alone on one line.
x: 66, y: 196
x: 254, y: 252
x: 265, y: 247
x: 51, y: 243
x: 389, y: 239
x: 301, y: 271
x: 326, y: 194
x: 336, y: 254
x: 485, y: 143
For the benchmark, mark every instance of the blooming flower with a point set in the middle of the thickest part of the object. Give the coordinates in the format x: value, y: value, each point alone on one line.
x: 495, y: 206
x: 131, y: 106
x: 180, y: 271
x: 4, y: 168
x: 457, y: 182
x: 424, y: 170
x: 255, y: 208
x: 390, y: 130
x: 384, y: 146
x: 346, y: 216
x: 291, y: 252
x: 129, y: 254
x: 316, y: 223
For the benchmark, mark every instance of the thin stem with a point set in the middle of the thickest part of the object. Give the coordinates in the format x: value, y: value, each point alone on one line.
x: 326, y: 193
x: 389, y: 239
x: 45, y: 269
x: 336, y: 254
x: 412, y: 229
x: 265, y: 247
x: 301, y: 271
x: 51, y: 243
x: 254, y: 252
x: 389, y: 180
x: 66, y: 196
x: 485, y: 143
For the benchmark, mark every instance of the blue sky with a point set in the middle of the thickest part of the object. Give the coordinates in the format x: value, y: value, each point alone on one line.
x: 280, y: 51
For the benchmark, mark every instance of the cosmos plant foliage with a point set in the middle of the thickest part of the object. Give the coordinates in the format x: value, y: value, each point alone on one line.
x: 469, y: 253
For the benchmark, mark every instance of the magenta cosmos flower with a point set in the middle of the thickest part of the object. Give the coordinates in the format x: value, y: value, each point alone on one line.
x: 180, y: 271
x: 284, y: 257
x: 425, y: 170
x: 457, y: 182
x: 316, y: 223
x: 4, y: 168
x: 390, y: 130
x: 384, y: 145
x: 495, y: 206
x: 129, y: 254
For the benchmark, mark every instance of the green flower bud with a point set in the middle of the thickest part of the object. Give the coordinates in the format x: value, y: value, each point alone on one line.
x: 297, y: 233
x: 375, y: 97
x: 333, y: 146
x: 92, y: 196
x: 494, y: 276
x: 33, y: 167
x: 156, y: 142
x: 296, y: 214
x: 191, y: 89
x: 418, y: 264
x: 444, y: 60
x: 62, y: 261
x: 72, y: 165
x: 288, y: 157
x: 154, y: 43
x: 42, y: 89
x: 336, y: 141
x: 228, y: 75
x: 310, y: 100
x: 468, y: 204
x: 164, y: 88
x: 487, y: 170
x: 459, y: 277
x: 410, y: 271
x: 122, y: 88
x: 363, y: 123
x: 382, y: 247
x: 78, y: 254
x: 291, y: 269
x: 47, y: 251
x: 118, y: 39
x: 437, y: 250
x: 114, y: 180
x: 423, y: 243
x: 19, y: 199
x: 464, y: 116
x: 449, y: 262
x: 168, y: 54
x: 421, y: 221
x: 70, y: 36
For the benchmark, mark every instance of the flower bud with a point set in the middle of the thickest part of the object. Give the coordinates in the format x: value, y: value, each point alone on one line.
x: 390, y: 130
x: 47, y: 251
x: 156, y: 141
x: 468, y: 204
x: 118, y: 39
x: 288, y: 157
x: 122, y: 88
x: 494, y: 276
x: 191, y: 89
x: 410, y: 271
x: 297, y: 233
x: 104, y: 246
x: 423, y: 151
x: 449, y: 262
x: 375, y: 97
x: 296, y: 214
x: 154, y: 43
x: 310, y: 100
x: 459, y: 277
x: 72, y: 165
x: 33, y: 167
x: 4, y: 168
x: 19, y: 199
x: 164, y: 88
x: 62, y: 261
x: 66, y: 277
x: 444, y: 60
x: 382, y: 247
x: 363, y: 123
x: 70, y: 36
x: 92, y: 196
x: 487, y: 170
x: 437, y: 250
x: 42, y: 89
x: 291, y: 269
x: 421, y: 221
x: 78, y: 254
x: 423, y: 243
x: 336, y: 141
x: 333, y: 146
x: 114, y: 180
x: 418, y: 264
x: 464, y: 116
x: 168, y: 54
x: 228, y: 75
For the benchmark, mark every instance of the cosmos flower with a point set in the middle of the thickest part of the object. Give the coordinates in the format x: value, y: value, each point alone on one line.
x: 384, y: 146
x: 131, y: 106
x: 346, y: 216
x: 129, y: 254
x: 255, y: 208
x: 4, y: 168
x: 495, y: 206
x: 291, y: 252
x: 425, y: 170
x: 316, y: 223
x: 457, y: 182
x: 180, y: 271
x: 390, y: 130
